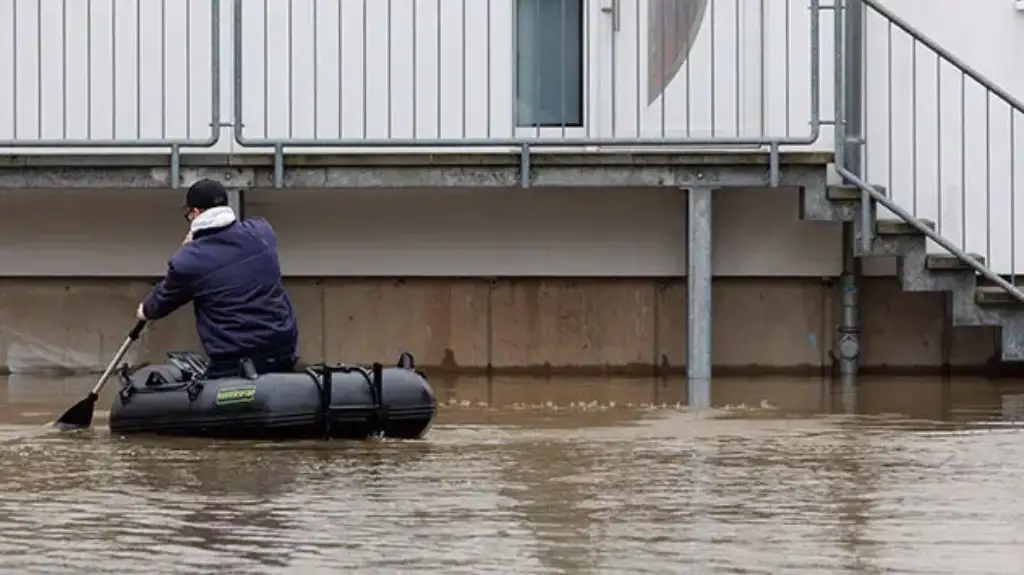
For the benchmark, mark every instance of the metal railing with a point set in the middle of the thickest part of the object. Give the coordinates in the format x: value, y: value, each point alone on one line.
x: 944, y: 141
x: 109, y: 73
x: 495, y: 73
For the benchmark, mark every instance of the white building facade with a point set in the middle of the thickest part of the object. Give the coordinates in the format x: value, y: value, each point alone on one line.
x: 420, y: 76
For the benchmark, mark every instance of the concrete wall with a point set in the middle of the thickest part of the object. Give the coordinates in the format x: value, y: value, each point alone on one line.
x: 413, y: 232
x: 465, y: 325
x: 468, y: 280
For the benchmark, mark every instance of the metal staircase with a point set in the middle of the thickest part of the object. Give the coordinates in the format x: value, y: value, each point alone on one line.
x: 972, y: 304
x: 978, y: 295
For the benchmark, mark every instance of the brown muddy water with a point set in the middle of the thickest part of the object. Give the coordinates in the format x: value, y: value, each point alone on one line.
x: 785, y: 476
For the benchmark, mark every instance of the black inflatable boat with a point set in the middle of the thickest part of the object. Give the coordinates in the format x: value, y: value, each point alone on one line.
x: 321, y: 402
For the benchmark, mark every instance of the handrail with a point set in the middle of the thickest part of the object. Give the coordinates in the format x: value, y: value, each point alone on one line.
x: 465, y: 95
x: 944, y: 53
x: 932, y: 234
x: 939, y: 158
x: 101, y: 100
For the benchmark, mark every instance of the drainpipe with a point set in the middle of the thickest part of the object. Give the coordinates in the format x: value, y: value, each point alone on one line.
x: 850, y: 281
x: 849, y: 320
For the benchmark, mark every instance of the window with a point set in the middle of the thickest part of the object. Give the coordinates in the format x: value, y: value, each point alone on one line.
x: 549, y: 63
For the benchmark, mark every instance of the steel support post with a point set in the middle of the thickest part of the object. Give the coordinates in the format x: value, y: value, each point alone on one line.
x: 236, y: 199
x: 698, y: 298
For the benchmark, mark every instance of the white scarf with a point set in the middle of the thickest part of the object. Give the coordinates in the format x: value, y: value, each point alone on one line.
x: 219, y: 217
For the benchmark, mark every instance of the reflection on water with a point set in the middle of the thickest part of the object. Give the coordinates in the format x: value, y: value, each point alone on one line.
x: 524, y: 476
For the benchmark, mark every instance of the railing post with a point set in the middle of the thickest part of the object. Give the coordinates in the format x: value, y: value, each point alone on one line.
x: 853, y: 86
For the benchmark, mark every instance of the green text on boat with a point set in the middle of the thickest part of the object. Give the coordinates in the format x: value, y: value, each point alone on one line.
x: 234, y: 395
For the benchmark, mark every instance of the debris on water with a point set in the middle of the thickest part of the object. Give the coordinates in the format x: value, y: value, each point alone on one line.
x: 550, y: 406
x: 764, y: 405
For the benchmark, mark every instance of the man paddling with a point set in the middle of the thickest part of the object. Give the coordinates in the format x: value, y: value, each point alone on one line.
x: 229, y: 270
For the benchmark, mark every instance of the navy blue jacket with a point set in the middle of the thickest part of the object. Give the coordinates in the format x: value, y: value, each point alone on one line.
x: 232, y: 276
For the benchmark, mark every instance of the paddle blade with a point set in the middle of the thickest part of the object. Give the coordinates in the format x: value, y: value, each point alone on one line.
x: 79, y: 416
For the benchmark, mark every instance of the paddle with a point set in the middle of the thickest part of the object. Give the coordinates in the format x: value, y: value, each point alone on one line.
x: 80, y: 414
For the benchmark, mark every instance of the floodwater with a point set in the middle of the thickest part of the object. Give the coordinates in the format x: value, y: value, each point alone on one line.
x: 785, y: 476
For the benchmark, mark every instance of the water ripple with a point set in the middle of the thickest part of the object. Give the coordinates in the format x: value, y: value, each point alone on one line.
x: 612, y: 491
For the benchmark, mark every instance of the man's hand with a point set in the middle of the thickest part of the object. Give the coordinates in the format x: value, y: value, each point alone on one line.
x: 139, y: 313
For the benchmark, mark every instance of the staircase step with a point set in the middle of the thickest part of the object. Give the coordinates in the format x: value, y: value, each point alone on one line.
x: 994, y: 295
x: 973, y: 301
x: 845, y: 193
x: 949, y: 262
x: 900, y: 228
